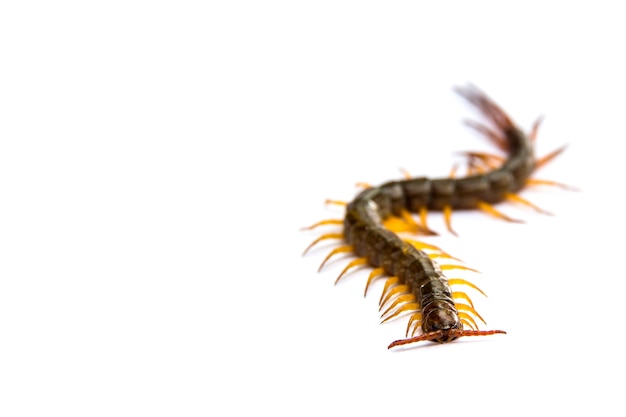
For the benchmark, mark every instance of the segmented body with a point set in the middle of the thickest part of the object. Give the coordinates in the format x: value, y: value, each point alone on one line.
x: 417, y: 283
x: 462, y: 193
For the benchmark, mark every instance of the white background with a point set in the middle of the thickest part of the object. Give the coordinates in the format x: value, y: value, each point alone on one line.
x: 157, y: 160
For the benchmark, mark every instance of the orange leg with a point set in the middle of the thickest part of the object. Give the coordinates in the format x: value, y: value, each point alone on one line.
x: 457, y: 295
x: 449, y: 267
x: 390, y: 283
x: 516, y: 198
x: 353, y: 264
x: 488, y: 208
x: 323, y: 223
x: 402, y: 309
x: 469, y: 309
x: 321, y: 238
x: 376, y: 273
x: 461, y: 281
x: 340, y: 249
x: 447, y: 216
x: 415, y: 321
x: 400, y: 289
x: 403, y: 299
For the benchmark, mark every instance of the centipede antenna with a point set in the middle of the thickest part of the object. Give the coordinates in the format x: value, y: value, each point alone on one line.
x: 426, y: 336
x: 463, y: 333
x: 453, y: 333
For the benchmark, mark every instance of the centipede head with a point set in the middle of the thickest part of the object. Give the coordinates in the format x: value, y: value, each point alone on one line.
x: 442, y: 323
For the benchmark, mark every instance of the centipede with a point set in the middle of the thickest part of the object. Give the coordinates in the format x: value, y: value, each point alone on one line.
x: 416, y: 272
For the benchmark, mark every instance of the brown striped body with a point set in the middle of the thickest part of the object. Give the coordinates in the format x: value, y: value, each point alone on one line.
x: 363, y: 228
x: 417, y: 283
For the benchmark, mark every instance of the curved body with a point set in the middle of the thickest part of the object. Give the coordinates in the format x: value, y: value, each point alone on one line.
x: 364, y: 230
x: 416, y: 282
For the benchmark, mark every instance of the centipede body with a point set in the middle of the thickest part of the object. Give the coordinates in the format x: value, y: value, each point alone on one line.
x: 416, y: 284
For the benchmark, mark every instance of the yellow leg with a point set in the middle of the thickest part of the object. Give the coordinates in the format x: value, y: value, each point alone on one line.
x: 416, y: 321
x: 461, y: 267
x: 391, y: 282
x: 323, y: 223
x: 447, y: 215
x: 422, y: 245
x: 541, y: 162
x: 423, y: 216
x: 535, y: 129
x: 536, y: 181
x: 336, y: 202
x: 354, y: 263
x: 404, y: 298
x: 340, y: 249
x: 402, y: 309
x: 364, y: 185
x: 400, y: 289
x: 461, y: 295
x: 323, y: 237
x: 376, y: 273
x: 469, y: 320
x: 516, y: 198
x: 488, y: 208
x: 467, y: 308
x: 461, y: 281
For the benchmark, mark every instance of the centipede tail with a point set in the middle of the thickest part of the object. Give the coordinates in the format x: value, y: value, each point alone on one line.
x: 415, y: 283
